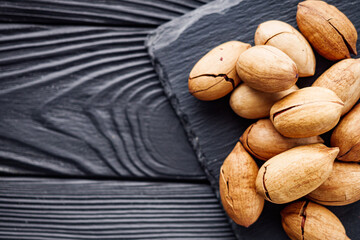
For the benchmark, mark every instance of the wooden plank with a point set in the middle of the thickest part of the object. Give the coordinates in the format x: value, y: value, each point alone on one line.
x: 85, y: 101
x: 42, y: 208
x: 213, y: 127
x: 104, y: 12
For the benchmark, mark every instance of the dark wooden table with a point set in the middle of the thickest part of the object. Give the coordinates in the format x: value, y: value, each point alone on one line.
x: 90, y: 146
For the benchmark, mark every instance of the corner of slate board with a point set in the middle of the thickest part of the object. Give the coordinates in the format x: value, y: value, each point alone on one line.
x: 212, y: 127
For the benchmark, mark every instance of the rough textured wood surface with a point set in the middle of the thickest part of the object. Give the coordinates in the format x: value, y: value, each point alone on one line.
x: 212, y: 126
x: 79, y: 98
x: 36, y: 208
x: 86, y: 101
x: 99, y: 12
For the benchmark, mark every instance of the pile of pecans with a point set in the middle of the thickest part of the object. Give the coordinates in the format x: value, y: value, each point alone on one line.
x: 298, y: 164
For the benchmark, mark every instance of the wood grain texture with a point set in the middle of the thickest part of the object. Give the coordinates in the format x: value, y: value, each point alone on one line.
x: 212, y: 126
x: 36, y: 208
x: 85, y: 101
x: 99, y: 12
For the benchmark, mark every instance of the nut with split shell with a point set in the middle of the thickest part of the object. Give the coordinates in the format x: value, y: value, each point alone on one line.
x: 286, y: 38
x: 295, y: 173
x: 214, y: 75
x: 341, y: 188
x: 307, y: 220
x: 306, y: 112
x: 252, y: 104
x: 267, y: 69
x: 263, y: 141
x: 346, y: 136
x: 327, y: 29
x: 237, y: 187
x: 344, y: 79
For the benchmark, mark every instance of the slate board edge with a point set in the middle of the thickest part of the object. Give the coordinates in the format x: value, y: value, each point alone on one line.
x: 174, y: 102
x: 192, y: 138
x: 151, y: 39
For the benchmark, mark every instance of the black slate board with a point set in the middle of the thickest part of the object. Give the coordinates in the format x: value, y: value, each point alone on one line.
x: 212, y: 127
x: 45, y: 208
x: 85, y: 101
x: 96, y: 12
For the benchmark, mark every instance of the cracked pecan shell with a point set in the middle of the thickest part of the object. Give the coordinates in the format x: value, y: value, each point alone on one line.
x: 327, y: 29
x: 346, y: 136
x: 306, y: 220
x: 307, y: 112
x: 263, y: 141
x: 237, y: 187
x: 214, y: 75
x: 286, y: 38
x: 295, y: 172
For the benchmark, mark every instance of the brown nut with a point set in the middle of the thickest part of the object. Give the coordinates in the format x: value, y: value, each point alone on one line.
x: 214, y: 75
x: 306, y: 220
x: 286, y: 38
x: 252, y: 104
x: 306, y: 112
x: 328, y: 30
x: 263, y: 141
x: 341, y: 188
x: 295, y: 172
x: 346, y: 136
x: 267, y: 69
x: 344, y: 79
x: 237, y: 187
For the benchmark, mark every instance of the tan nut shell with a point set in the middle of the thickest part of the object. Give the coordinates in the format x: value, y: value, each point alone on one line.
x: 286, y: 38
x: 328, y: 30
x: 307, y: 220
x: 267, y: 69
x: 263, y: 141
x: 346, y: 136
x: 214, y: 75
x: 306, y: 112
x: 237, y: 187
x: 252, y: 104
x: 344, y: 79
x: 341, y: 188
x: 295, y: 172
